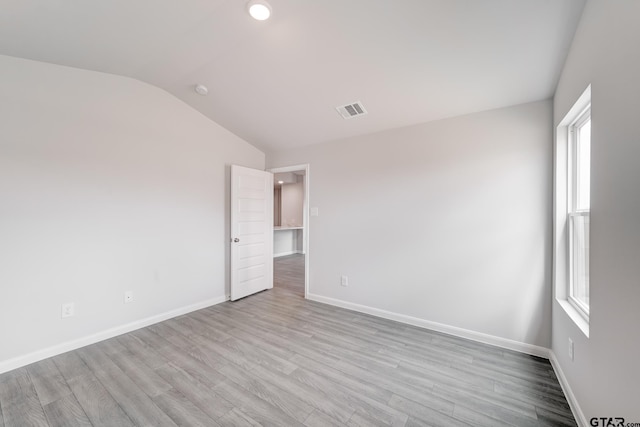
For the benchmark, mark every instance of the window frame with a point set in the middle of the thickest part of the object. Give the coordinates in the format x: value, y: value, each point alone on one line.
x: 572, y: 201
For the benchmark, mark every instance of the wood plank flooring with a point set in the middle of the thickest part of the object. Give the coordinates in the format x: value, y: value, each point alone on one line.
x: 275, y: 359
x: 288, y: 273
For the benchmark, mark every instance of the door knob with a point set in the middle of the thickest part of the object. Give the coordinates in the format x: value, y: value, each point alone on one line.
x: 236, y: 240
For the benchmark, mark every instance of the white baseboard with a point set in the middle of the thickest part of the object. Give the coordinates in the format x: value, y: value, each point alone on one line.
x: 17, y: 362
x: 287, y: 253
x: 581, y: 419
x: 440, y: 327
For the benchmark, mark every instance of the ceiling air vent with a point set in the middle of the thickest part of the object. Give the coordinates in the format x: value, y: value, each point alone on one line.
x: 351, y: 110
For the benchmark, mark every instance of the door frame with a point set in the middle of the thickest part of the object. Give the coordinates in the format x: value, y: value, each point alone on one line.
x: 305, y: 216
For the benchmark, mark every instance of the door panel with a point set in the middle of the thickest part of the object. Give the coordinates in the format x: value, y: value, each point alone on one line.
x: 251, y: 231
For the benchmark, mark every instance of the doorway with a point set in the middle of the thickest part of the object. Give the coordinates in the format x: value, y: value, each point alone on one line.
x: 291, y: 229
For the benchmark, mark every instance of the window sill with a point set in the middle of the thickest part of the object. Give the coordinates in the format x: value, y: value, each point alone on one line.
x: 577, y: 318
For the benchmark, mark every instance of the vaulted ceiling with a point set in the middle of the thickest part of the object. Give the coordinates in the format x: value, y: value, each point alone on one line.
x: 276, y: 83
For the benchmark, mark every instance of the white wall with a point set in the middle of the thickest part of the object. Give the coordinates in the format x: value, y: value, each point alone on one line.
x: 292, y: 203
x: 448, y: 221
x: 605, y: 376
x: 287, y: 242
x: 107, y: 184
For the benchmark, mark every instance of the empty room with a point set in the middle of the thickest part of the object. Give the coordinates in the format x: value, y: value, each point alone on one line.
x: 319, y: 213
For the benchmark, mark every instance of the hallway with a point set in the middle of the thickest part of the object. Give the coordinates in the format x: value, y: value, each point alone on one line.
x: 288, y: 273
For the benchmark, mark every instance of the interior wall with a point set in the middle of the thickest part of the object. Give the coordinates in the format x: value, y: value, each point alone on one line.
x: 292, y: 202
x: 107, y: 185
x: 448, y: 221
x: 286, y: 242
x: 604, y: 375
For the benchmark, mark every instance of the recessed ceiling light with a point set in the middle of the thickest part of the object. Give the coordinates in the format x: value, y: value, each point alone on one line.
x: 201, y: 90
x: 280, y: 182
x: 259, y: 9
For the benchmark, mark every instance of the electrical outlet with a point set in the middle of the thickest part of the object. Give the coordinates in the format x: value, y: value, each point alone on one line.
x: 344, y: 281
x: 571, y: 349
x: 128, y: 297
x: 67, y: 310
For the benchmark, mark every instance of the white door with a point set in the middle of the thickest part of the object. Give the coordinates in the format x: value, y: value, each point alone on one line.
x: 251, y: 231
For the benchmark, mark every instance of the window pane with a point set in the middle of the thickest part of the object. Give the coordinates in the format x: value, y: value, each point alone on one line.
x: 580, y: 258
x: 583, y: 160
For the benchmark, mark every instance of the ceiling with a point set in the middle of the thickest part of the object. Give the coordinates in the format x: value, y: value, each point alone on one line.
x: 276, y: 83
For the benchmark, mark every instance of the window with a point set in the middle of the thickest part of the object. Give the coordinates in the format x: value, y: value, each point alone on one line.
x: 578, y: 203
x: 571, y: 213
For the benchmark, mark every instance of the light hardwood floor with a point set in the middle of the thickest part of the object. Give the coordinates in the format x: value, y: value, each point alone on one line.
x: 276, y: 359
x: 288, y: 273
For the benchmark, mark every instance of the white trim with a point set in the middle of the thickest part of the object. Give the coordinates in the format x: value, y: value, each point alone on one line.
x: 440, y: 327
x: 574, y: 315
x: 580, y: 307
x: 306, y: 226
x: 563, y: 207
x: 20, y: 361
x: 581, y: 419
x: 572, y: 202
x: 287, y: 253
